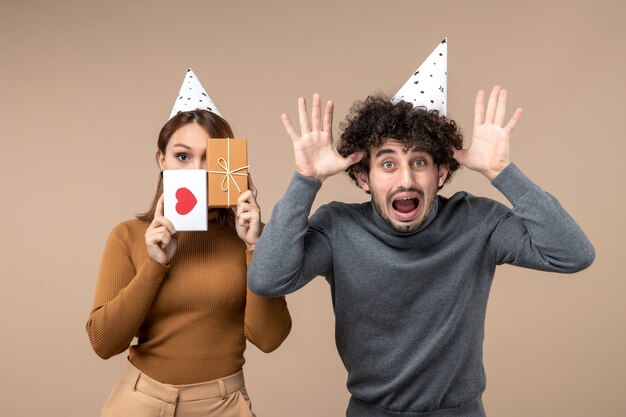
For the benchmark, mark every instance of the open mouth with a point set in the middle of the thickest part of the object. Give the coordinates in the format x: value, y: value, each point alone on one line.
x: 405, y: 207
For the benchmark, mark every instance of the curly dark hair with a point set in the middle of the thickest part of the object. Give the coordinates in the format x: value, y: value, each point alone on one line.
x: 376, y: 119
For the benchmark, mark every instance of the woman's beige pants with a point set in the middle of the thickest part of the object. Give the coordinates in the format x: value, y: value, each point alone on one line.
x: 138, y: 395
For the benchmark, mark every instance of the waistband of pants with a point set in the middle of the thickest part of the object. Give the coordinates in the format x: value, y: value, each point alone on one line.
x: 221, y: 387
x: 359, y: 408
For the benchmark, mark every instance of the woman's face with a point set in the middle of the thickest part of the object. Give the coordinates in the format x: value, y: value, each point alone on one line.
x: 186, y: 149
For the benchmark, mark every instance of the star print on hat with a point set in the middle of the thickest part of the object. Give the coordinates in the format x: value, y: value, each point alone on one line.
x: 428, y: 86
x: 192, y: 96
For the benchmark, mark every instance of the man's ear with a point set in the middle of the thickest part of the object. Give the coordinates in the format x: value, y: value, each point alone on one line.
x: 363, y: 181
x: 443, y: 174
x: 160, y: 158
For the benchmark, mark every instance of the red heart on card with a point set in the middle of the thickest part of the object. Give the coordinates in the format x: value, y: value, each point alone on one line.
x: 186, y: 201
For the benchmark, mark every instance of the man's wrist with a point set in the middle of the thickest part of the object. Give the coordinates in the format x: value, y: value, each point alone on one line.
x: 491, y: 174
x: 312, y: 176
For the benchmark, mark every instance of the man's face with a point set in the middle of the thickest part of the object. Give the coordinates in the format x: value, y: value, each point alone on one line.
x: 403, y: 184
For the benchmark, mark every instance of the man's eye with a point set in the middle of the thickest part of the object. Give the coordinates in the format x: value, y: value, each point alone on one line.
x: 182, y: 157
x: 419, y: 163
x: 388, y: 164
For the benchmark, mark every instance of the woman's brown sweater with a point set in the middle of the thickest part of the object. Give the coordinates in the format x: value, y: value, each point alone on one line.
x: 191, y: 318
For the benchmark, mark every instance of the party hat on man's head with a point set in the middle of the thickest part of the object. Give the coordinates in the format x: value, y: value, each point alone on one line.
x: 192, y: 96
x: 428, y: 86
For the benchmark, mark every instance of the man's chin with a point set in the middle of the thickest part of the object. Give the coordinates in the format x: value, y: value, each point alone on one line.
x: 405, y: 225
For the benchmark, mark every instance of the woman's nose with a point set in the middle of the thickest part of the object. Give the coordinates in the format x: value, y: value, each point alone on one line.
x: 198, y: 164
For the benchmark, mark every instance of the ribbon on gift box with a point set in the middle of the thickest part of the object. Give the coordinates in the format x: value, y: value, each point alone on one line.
x: 228, y: 172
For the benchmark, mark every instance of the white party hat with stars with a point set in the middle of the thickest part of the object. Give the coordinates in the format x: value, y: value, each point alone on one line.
x: 428, y: 86
x: 192, y: 96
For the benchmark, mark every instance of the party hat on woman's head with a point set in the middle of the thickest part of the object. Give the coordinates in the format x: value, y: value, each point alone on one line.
x: 428, y: 86
x: 192, y: 96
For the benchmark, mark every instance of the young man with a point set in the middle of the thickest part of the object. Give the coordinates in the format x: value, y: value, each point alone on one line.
x: 410, y: 271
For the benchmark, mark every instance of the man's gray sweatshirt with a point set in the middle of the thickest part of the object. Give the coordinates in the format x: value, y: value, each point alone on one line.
x: 410, y: 307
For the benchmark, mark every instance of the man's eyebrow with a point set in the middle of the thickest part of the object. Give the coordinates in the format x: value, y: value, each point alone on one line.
x: 384, y: 152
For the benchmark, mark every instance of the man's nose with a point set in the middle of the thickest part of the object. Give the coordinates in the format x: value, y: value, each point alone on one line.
x: 406, y: 177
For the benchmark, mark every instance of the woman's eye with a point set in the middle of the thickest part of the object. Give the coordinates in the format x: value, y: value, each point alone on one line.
x: 182, y: 157
x: 387, y: 164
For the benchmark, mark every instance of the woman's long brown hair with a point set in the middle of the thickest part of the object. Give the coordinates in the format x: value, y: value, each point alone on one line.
x: 215, y: 126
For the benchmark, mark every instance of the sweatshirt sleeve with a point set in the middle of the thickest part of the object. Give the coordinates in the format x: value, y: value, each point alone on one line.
x: 124, y: 294
x: 537, y: 233
x: 267, y: 321
x: 290, y: 252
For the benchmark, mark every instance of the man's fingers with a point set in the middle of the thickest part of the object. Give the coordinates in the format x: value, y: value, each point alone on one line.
x: 501, y: 108
x: 356, y: 157
x: 304, y: 117
x: 514, y: 119
x: 289, y: 128
x: 459, y: 155
x: 352, y: 159
x: 316, y: 122
x: 479, y: 108
x: 328, y: 117
x: 492, y: 104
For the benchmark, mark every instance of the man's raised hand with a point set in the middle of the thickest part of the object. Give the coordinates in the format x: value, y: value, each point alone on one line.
x: 489, y: 150
x: 314, y: 151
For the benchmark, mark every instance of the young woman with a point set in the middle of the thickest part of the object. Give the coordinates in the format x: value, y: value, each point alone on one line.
x: 184, y: 296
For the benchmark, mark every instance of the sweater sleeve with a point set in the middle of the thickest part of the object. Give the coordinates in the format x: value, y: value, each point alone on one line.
x: 290, y: 252
x: 267, y: 321
x: 124, y: 294
x: 537, y: 233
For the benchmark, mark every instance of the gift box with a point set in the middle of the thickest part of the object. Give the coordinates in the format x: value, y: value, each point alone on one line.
x: 227, y: 168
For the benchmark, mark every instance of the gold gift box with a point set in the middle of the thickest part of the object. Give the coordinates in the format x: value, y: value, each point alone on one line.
x: 227, y: 168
